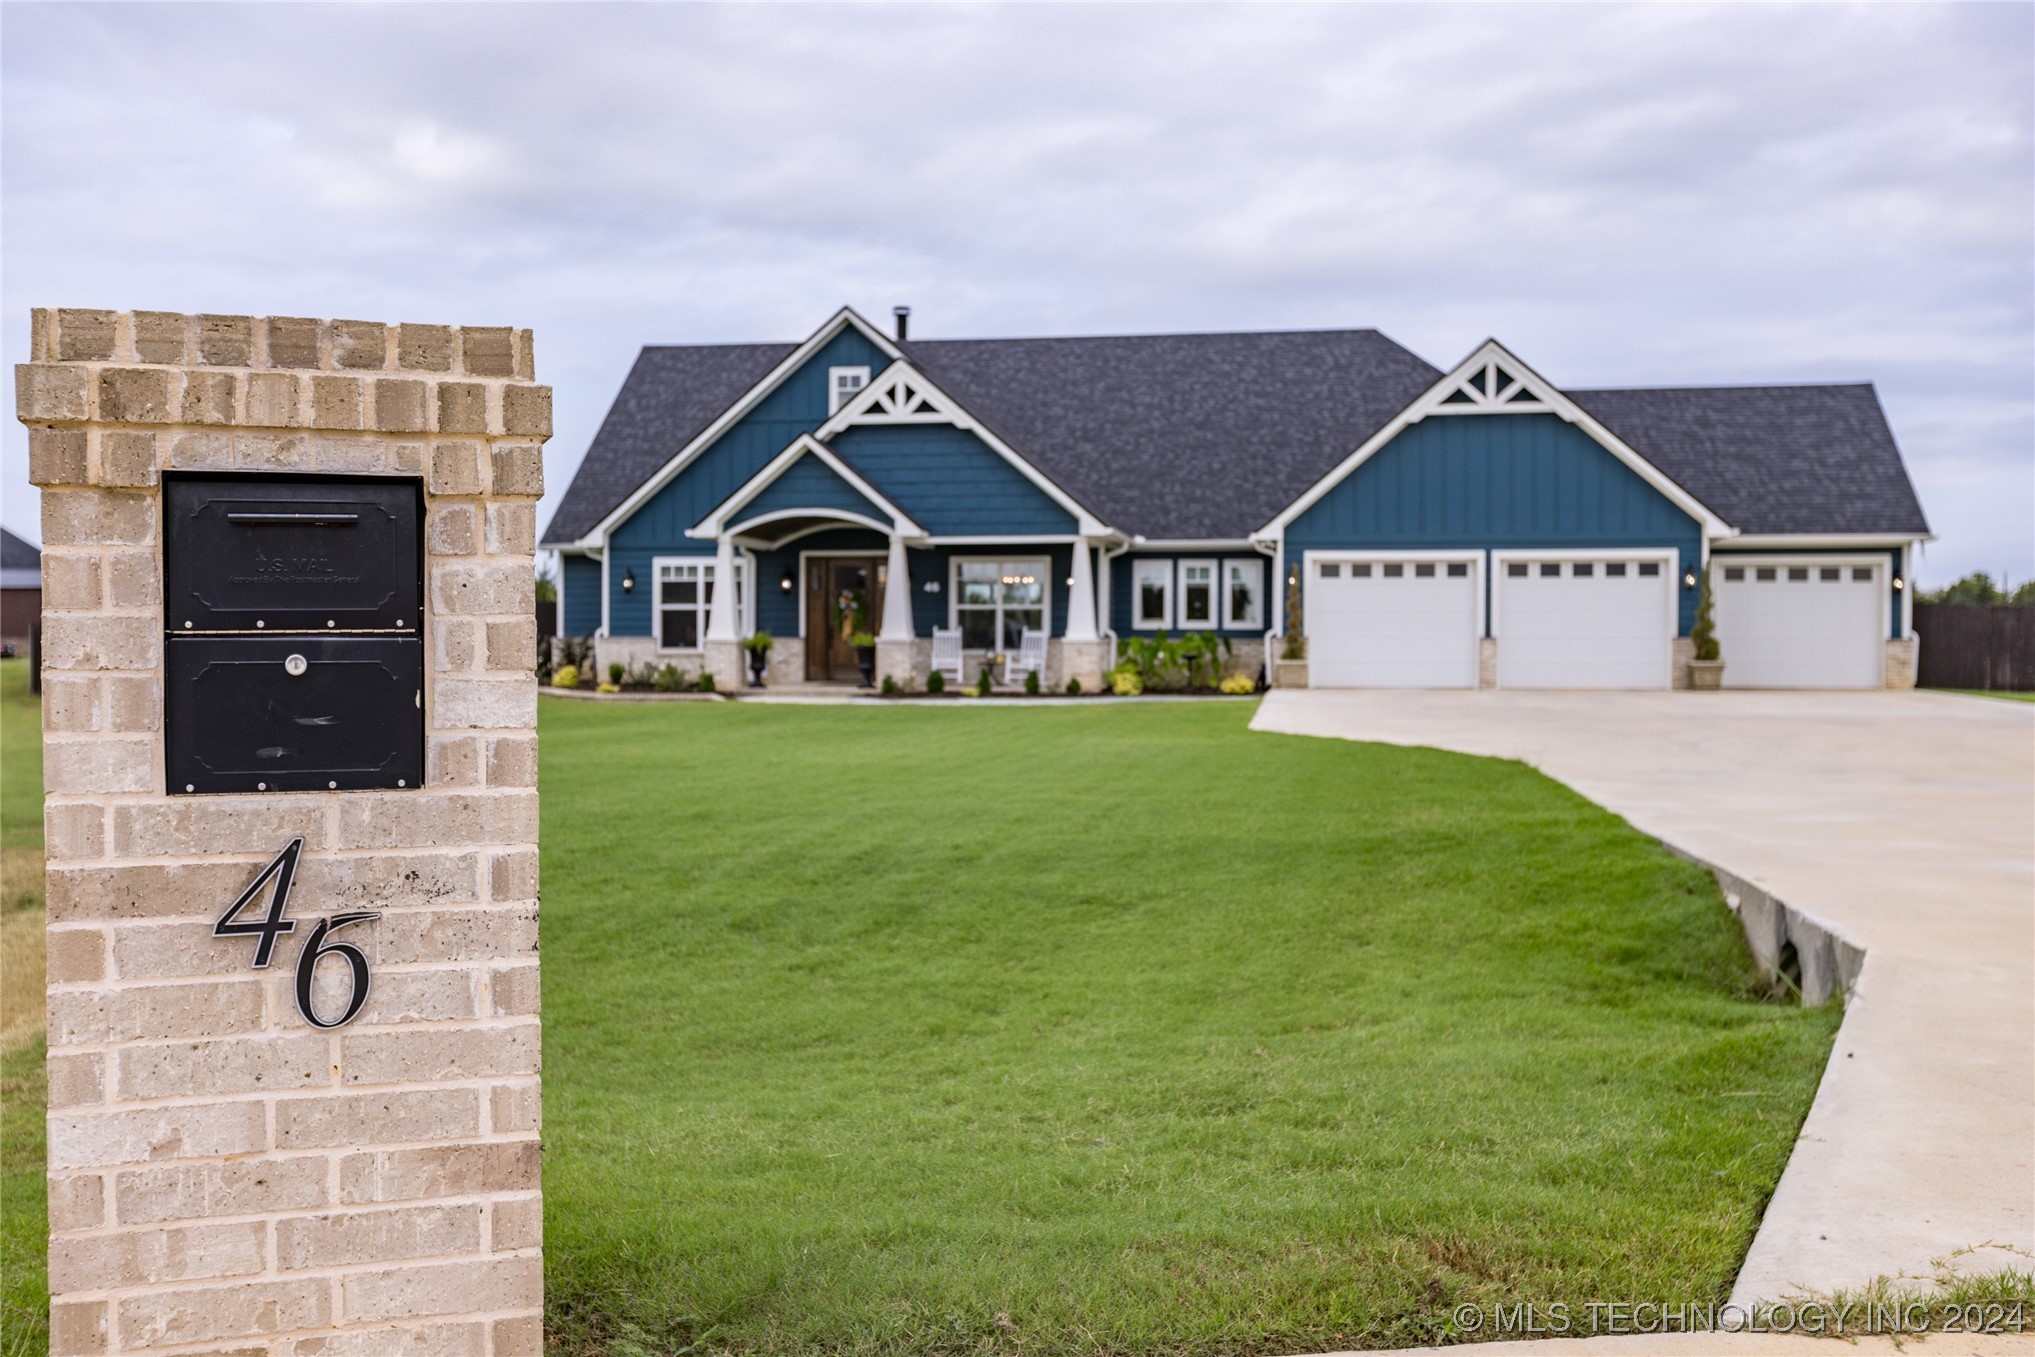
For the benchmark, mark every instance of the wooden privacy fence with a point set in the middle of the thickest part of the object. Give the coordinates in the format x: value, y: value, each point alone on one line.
x: 1976, y: 646
x: 547, y: 619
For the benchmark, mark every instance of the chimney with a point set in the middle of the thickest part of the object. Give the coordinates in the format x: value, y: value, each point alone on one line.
x: 904, y: 322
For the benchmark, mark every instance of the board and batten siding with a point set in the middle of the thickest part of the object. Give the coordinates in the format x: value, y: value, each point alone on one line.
x: 809, y: 483
x: 950, y: 481
x: 798, y: 405
x: 580, y: 590
x: 1496, y: 482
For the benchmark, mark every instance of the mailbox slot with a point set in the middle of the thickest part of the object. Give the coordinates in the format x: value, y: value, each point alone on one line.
x: 294, y: 713
x: 292, y: 553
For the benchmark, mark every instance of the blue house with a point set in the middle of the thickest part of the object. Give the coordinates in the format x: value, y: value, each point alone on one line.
x: 1402, y: 525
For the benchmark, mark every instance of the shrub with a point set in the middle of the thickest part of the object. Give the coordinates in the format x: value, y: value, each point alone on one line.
x: 1704, y: 633
x: 1074, y: 687
x: 1239, y: 683
x: 568, y: 677
x: 936, y: 682
x: 608, y: 688
x: 668, y: 679
x: 1032, y: 683
x: 889, y: 686
x: 759, y: 641
x: 706, y: 681
x: 615, y: 672
x: 1125, y: 681
x: 984, y: 680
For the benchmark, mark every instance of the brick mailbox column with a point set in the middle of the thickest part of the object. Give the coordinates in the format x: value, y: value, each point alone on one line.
x: 225, y: 1176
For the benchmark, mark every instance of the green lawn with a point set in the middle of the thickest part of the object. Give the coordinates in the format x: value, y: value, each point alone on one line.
x: 1119, y: 1029
x: 1989, y: 692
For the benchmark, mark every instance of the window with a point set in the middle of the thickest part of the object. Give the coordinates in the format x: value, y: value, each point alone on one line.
x: 1765, y: 572
x: 1361, y: 570
x: 844, y: 385
x: 1197, y: 594
x: 1394, y: 570
x: 1241, y: 582
x: 1862, y: 574
x: 1424, y: 571
x: 1459, y: 570
x: 1515, y: 570
x: 1614, y: 570
x: 1333, y: 570
x: 1734, y: 573
x: 1583, y: 570
x: 1550, y: 569
x: 1830, y: 572
x: 1649, y: 568
x: 994, y: 601
x: 1153, y: 584
x: 685, y: 600
x: 1798, y: 572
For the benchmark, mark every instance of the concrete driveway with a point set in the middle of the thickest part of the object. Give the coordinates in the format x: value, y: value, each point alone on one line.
x: 1904, y: 820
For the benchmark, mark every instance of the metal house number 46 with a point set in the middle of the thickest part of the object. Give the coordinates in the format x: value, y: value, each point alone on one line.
x: 266, y: 929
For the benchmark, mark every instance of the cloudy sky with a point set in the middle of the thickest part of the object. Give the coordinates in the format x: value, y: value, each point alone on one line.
x: 1646, y: 195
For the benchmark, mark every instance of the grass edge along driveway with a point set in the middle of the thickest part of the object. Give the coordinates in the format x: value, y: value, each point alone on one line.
x: 1121, y: 1030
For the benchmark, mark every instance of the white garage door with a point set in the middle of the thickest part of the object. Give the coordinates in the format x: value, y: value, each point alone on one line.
x: 1600, y: 622
x: 1800, y: 625
x: 1377, y: 623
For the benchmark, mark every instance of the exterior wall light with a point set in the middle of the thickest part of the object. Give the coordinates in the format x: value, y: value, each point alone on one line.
x: 1900, y: 583
x: 629, y: 581
x: 1689, y: 580
x: 787, y: 583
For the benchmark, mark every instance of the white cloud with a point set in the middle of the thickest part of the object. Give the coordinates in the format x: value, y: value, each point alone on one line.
x: 1648, y: 194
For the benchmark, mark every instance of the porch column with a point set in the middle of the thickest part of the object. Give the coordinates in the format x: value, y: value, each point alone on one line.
x: 897, y: 596
x: 1082, y: 647
x: 721, y: 655
x: 721, y: 619
x: 896, y: 648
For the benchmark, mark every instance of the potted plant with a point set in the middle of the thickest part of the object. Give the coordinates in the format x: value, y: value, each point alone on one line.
x: 1706, y: 670
x: 865, y: 656
x: 758, y: 647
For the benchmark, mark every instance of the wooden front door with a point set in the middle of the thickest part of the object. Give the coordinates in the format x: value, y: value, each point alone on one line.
x: 844, y: 594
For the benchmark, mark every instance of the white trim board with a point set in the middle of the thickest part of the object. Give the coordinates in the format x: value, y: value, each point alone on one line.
x: 716, y: 521
x: 1547, y: 400
x: 877, y: 405
x: 841, y: 320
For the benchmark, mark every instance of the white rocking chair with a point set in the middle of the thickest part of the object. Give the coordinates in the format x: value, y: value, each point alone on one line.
x: 1029, y: 659
x: 947, y: 653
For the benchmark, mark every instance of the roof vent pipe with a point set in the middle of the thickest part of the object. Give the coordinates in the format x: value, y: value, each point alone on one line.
x: 904, y: 322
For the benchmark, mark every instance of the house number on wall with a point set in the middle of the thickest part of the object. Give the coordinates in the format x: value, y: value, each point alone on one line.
x: 266, y: 929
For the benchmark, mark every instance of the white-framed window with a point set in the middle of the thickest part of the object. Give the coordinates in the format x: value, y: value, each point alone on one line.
x: 1152, y: 595
x: 684, y: 601
x: 994, y: 601
x: 844, y: 385
x: 1197, y: 595
x: 1242, y: 584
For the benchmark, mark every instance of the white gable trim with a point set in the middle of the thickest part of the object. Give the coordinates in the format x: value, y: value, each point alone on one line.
x: 797, y: 359
x: 901, y: 394
x: 716, y: 522
x: 1492, y: 381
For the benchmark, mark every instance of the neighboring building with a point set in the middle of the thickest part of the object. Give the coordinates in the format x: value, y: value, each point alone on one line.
x: 1477, y: 527
x: 20, y: 590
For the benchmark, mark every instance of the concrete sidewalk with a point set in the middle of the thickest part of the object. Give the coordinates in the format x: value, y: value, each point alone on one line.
x: 1906, y: 821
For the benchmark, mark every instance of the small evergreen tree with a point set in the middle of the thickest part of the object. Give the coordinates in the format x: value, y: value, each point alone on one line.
x: 1704, y: 633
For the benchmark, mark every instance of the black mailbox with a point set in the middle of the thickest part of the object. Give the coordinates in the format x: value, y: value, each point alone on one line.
x: 295, y: 658
x: 292, y: 553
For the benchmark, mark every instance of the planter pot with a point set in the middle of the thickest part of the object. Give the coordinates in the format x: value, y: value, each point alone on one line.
x: 865, y: 660
x: 1289, y: 673
x: 759, y: 660
x: 1706, y: 676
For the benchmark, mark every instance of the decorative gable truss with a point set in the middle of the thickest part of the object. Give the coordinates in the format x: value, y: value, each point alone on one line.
x: 1492, y: 388
x: 901, y: 394
x: 1492, y: 381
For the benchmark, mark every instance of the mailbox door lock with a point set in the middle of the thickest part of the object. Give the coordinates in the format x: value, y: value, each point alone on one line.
x: 295, y: 666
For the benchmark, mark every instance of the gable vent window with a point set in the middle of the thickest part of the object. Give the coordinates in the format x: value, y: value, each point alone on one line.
x: 844, y: 385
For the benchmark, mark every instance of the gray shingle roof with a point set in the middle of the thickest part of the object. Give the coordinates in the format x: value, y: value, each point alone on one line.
x: 1772, y: 459
x: 1209, y: 436
x: 672, y: 393
x: 16, y: 554
x: 1182, y: 435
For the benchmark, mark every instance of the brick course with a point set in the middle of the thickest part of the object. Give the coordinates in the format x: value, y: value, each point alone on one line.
x: 223, y: 1176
